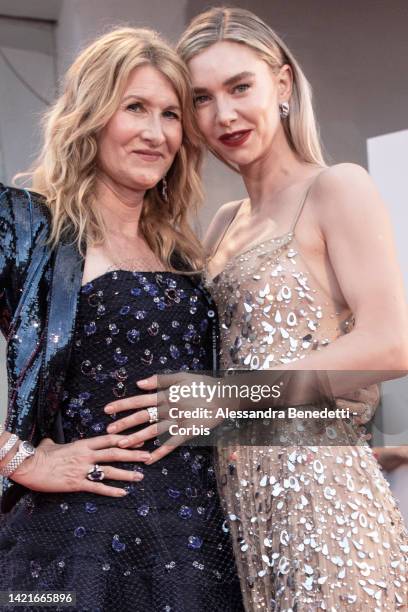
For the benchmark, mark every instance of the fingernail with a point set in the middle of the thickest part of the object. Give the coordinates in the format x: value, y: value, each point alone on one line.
x: 124, y: 442
x: 124, y: 492
x: 108, y: 409
x: 111, y: 428
x: 142, y: 382
x: 137, y: 476
x: 145, y: 456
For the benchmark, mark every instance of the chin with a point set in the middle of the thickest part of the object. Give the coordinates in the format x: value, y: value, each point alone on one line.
x: 241, y: 158
x: 146, y: 182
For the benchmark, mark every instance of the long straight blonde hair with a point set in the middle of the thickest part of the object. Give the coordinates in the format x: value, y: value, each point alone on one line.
x: 66, y: 171
x: 243, y: 27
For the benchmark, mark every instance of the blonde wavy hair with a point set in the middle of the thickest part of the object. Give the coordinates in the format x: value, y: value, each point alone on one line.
x: 66, y: 172
x: 245, y: 28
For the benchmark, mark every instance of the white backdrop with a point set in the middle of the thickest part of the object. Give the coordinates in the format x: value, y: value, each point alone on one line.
x: 387, y: 162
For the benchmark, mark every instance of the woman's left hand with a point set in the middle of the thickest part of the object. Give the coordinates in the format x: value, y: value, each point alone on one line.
x: 158, y: 397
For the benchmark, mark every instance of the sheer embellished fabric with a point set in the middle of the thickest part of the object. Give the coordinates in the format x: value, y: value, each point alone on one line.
x: 313, y: 527
x: 162, y: 547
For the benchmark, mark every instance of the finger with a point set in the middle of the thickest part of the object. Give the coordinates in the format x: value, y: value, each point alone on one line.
x: 166, y: 448
x: 148, y: 383
x: 152, y: 431
x: 119, y: 454
x: 142, y: 416
x: 105, y: 441
x: 132, y: 403
x: 113, y: 473
x: 102, y: 489
x: 160, y: 382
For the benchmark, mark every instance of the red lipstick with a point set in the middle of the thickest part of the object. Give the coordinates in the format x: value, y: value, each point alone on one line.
x: 235, y: 139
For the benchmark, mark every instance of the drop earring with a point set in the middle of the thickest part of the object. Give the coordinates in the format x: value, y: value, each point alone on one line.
x: 284, y: 110
x: 164, y: 189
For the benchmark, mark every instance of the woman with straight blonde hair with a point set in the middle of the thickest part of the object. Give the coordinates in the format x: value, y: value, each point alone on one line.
x: 304, y: 274
x: 305, y: 277
x: 98, y: 287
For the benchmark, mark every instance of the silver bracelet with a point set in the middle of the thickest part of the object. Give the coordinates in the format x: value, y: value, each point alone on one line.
x: 25, y: 450
x: 8, y: 446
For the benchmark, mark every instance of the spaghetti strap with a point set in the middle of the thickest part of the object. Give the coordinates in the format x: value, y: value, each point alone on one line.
x: 302, y: 203
x: 221, y: 238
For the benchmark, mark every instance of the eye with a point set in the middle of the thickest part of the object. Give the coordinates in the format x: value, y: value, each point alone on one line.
x: 171, y: 115
x: 201, y: 99
x: 241, y: 88
x: 135, y: 107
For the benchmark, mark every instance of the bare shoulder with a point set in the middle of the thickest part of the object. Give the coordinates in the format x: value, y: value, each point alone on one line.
x: 220, y: 221
x: 345, y: 192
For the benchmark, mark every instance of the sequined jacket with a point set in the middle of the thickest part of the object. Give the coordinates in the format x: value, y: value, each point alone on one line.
x: 39, y: 289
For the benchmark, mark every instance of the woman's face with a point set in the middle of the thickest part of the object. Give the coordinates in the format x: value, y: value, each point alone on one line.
x: 138, y: 145
x: 237, y: 100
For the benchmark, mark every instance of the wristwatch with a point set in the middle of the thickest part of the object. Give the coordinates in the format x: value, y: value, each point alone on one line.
x: 25, y: 450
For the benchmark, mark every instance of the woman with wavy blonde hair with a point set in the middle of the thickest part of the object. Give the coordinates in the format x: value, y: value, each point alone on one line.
x: 98, y: 288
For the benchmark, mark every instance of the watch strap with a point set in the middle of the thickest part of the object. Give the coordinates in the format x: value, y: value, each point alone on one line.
x: 15, y: 462
x: 8, y: 446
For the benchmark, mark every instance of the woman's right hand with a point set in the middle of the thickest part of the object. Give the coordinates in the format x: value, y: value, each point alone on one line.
x: 58, y: 468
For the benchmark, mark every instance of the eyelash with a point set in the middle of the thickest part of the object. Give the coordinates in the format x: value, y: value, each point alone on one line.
x: 137, y: 106
x: 246, y: 86
x: 236, y: 89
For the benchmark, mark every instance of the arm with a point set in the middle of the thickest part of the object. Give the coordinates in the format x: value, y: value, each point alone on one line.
x: 358, y: 235
x: 24, y: 221
x: 7, y: 255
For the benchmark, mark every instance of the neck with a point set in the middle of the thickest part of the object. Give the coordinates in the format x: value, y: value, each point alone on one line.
x: 273, y: 173
x: 119, y: 205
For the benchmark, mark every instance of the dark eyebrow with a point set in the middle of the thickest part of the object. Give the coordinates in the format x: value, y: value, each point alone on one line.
x: 230, y: 81
x: 146, y: 101
x: 238, y: 77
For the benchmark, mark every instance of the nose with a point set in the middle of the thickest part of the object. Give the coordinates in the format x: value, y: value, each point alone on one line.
x: 226, y: 113
x: 153, y: 131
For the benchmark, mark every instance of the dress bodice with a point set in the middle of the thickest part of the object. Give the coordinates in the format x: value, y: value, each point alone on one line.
x: 272, y: 309
x: 129, y: 326
x: 313, y: 523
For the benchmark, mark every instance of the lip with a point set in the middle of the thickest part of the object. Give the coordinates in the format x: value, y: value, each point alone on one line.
x: 148, y: 155
x: 235, y: 139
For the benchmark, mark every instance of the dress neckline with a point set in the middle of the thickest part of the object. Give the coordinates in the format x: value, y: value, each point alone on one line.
x: 131, y: 272
x: 283, y: 238
x: 288, y: 235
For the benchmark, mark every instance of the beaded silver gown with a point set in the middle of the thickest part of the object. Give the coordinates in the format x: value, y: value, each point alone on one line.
x: 313, y: 527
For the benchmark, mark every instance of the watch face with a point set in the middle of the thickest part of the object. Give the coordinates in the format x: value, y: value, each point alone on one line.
x: 28, y: 448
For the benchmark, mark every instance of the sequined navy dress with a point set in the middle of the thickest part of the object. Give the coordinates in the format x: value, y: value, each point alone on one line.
x: 161, y: 548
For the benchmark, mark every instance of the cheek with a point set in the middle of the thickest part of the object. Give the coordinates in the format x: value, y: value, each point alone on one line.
x: 119, y: 130
x: 204, y: 122
x: 175, y: 138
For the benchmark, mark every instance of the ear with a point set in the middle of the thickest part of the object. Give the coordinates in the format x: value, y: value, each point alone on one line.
x: 285, y: 83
